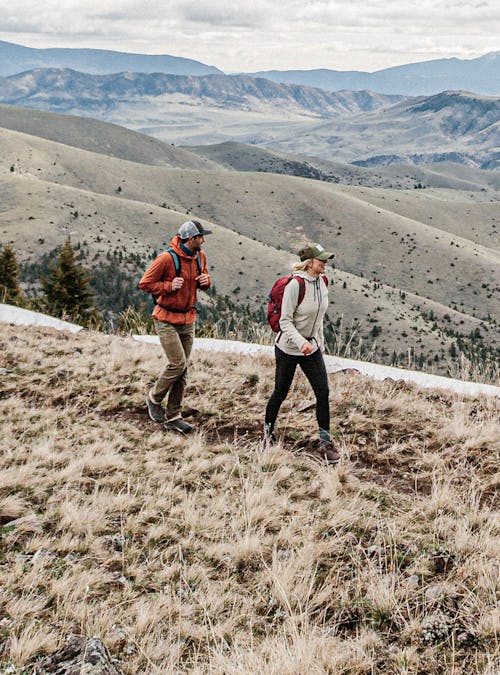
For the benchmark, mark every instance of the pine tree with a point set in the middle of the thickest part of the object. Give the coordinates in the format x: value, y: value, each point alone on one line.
x: 67, y: 290
x: 10, y: 291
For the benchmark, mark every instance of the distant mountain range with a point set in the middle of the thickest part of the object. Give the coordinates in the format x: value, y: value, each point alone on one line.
x: 17, y: 59
x: 362, y: 127
x: 480, y: 75
x: 65, y: 90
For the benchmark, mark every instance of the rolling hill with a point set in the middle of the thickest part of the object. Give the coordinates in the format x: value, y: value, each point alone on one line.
x: 242, y: 157
x: 103, y: 138
x: 422, y: 266
x: 451, y: 126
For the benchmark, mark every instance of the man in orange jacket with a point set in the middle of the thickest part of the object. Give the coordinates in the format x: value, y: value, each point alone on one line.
x: 174, y: 316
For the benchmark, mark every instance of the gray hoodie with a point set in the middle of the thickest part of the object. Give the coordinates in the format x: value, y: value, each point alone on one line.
x: 305, y: 321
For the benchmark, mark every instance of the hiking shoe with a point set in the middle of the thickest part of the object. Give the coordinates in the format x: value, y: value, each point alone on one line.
x: 269, y: 436
x: 179, y: 425
x: 329, y: 452
x: 155, y: 410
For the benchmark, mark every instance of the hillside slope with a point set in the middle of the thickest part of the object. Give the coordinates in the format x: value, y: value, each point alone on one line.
x: 89, y: 134
x: 451, y: 126
x: 213, y: 553
x: 397, y: 268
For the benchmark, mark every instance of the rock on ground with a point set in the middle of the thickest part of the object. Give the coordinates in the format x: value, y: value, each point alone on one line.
x: 79, y: 656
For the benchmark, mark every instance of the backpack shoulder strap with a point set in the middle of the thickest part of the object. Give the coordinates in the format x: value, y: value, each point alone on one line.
x: 177, y: 263
x: 176, y: 260
x: 302, y: 289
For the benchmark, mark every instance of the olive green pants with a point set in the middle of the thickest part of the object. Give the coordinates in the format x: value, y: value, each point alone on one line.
x: 177, y: 342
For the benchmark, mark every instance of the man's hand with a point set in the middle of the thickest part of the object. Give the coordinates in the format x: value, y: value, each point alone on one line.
x: 306, y: 348
x: 203, y: 279
x: 177, y: 283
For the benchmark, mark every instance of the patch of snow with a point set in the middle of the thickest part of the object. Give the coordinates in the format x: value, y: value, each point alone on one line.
x: 25, y: 317
x: 336, y: 364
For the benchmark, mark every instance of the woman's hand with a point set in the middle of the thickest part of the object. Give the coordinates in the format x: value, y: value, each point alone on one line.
x: 306, y: 348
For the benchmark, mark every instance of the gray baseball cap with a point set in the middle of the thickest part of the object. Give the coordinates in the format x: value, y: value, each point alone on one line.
x: 192, y: 228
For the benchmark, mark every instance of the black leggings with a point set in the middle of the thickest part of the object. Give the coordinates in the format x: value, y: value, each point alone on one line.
x: 314, y: 369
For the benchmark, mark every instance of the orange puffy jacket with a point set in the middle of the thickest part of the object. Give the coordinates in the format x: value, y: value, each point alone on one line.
x: 174, y: 306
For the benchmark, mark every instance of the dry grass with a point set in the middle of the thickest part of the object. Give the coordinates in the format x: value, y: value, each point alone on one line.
x: 215, y: 554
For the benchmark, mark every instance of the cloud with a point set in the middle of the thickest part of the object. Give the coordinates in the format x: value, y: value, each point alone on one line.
x: 263, y: 15
x: 222, y: 13
x: 264, y: 34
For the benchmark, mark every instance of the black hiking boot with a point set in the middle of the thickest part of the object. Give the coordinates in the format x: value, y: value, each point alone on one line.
x: 179, y: 425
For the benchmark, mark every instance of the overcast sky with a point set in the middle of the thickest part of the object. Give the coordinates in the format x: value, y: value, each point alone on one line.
x: 263, y: 34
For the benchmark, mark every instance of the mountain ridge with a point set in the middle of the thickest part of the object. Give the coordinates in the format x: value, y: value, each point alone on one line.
x: 63, y: 88
x: 479, y: 75
x: 17, y: 58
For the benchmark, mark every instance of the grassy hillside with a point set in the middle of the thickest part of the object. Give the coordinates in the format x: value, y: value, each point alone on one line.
x: 415, y: 269
x: 213, y: 553
x: 242, y: 157
x: 100, y: 137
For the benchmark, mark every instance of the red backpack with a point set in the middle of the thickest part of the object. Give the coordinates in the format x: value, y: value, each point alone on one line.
x: 275, y: 298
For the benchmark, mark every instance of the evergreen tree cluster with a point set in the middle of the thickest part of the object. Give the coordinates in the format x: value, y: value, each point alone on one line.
x: 10, y: 291
x: 67, y: 289
x: 65, y: 285
x: 112, y: 285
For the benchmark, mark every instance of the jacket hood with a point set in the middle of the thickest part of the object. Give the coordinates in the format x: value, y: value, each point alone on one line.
x: 305, y: 276
x: 175, y: 243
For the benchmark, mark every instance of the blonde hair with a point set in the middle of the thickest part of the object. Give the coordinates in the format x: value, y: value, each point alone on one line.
x: 302, y: 266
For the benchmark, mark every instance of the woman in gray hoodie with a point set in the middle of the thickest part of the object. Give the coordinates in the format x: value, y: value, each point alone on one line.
x: 301, y: 342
